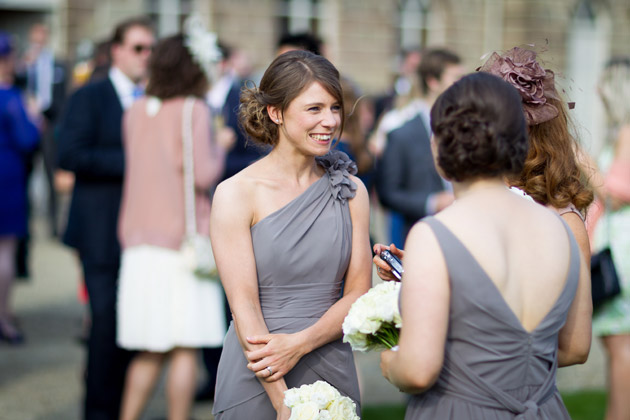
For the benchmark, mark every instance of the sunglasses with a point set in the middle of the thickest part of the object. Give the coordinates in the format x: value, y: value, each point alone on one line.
x: 139, y: 49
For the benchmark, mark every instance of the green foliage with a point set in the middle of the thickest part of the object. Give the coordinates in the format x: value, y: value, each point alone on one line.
x: 383, y: 412
x: 585, y: 405
x: 582, y: 405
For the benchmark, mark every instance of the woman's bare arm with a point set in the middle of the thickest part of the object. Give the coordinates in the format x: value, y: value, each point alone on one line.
x: 425, y: 299
x: 230, y: 231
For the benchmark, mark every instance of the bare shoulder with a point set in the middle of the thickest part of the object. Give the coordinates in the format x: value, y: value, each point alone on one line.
x: 420, y: 233
x: 422, y: 240
x: 234, y: 195
x: 576, y: 224
x: 361, y: 194
x: 359, y: 204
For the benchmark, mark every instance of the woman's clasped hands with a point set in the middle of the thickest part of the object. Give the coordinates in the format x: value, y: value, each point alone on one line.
x: 280, y: 353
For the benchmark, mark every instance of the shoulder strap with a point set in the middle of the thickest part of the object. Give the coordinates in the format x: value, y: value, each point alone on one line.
x: 574, y: 259
x: 189, y: 170
x: 453, y: 250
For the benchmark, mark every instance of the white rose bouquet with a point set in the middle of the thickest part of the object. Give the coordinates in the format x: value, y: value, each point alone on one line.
x: 319, y: 401
x: 374, y: 322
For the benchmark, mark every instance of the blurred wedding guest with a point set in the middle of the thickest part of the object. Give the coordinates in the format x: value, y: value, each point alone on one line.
x: 493, y: 327
x: 552, y: 174
x: 353, y: 141
x: 300, y: 222
x: 224, y: 98
x: 45, y: 78
x: 300, y: 41
x: 611, y: 321
x: 18, y: 136
x: 90, y: 146
x: 404, y: 85
x: 165, y: 312
x: 95, y: 63
x: 289, y: 41
x: 101, y: 60
x: 407, y: 182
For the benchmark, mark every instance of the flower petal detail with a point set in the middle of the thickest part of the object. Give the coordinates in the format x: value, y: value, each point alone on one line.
x: 536, y: 85
x: 339, y: 167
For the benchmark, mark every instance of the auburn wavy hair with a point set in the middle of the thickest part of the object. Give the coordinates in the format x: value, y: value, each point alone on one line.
x: 552, y: 174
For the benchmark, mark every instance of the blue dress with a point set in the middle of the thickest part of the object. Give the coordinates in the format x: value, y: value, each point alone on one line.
x: 18, y: 137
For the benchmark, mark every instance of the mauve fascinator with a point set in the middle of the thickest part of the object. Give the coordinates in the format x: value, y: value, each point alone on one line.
x: 536, y: 85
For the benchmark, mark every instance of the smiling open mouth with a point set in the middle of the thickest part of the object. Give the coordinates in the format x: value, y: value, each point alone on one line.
x: 321, y: 138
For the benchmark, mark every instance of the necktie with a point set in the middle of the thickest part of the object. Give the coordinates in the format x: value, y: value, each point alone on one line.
x: 137, y: 92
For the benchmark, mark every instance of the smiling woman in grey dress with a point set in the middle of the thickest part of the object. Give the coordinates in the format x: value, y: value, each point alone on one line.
x: 495, y: 294
x: 290, y: 237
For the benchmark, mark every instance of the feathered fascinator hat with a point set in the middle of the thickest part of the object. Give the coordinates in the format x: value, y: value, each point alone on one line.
x: 536, y: 85
x: 202, y: 45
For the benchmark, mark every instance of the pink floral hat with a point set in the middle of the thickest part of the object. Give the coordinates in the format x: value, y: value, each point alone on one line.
x: 536, y: 85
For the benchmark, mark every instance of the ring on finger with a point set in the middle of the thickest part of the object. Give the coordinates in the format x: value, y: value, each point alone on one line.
x: 270, y: 371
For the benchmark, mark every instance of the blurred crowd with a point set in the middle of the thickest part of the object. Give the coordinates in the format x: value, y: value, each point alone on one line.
x: 73, y: 123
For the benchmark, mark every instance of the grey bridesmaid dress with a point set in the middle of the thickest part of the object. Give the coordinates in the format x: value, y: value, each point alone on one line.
x: 493, y: 368
x: 302, y: 252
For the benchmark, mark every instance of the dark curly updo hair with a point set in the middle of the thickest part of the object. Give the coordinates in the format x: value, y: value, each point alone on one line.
x: 285, y: 78
x: 480, y: 128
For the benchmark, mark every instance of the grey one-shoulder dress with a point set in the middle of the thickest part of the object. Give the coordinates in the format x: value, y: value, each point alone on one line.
x: 302, y: 252
x: 493, y: 368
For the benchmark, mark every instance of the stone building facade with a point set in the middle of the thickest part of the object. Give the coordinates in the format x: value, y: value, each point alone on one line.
x: 364, y: 37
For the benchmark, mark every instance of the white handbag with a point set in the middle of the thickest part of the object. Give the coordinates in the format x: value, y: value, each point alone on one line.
x: 196, y: 249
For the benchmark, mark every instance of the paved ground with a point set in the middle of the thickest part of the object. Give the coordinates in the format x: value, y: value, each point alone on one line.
x: 41, y: 380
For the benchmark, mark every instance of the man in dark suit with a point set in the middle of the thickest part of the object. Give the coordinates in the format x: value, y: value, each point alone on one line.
x: 408, y: 182
x: 90, y: 145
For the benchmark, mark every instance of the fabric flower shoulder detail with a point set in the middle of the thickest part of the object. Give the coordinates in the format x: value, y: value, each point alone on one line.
x: 339, y: 167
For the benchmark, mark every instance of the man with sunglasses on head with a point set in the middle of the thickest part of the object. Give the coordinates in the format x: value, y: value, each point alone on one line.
x: 90, y: 145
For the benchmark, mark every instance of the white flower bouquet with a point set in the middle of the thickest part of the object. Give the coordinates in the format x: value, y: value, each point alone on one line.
x: 374, y: 322
x: 319, y: 401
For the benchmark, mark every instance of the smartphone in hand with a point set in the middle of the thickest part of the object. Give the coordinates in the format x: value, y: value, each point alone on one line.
x: 394, y: 263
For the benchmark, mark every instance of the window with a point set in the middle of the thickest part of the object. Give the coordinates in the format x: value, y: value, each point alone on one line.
x: 413, y: 22
x: 299, y: 16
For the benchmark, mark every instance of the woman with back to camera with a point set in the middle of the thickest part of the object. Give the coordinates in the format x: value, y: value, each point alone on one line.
x: 300, y: 223
x: 164, y: 310
x: 484, y: 328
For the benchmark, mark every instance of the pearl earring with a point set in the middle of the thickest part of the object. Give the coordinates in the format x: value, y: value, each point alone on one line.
x: 277, y: 120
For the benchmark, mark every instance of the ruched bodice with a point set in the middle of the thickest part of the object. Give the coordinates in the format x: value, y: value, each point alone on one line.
x: 302, y: 252
x: 493, y: 367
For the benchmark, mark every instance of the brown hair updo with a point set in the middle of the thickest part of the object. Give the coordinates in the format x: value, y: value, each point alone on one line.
x: 174, y: 72
x: 285, y: 78
x: 479, y: 128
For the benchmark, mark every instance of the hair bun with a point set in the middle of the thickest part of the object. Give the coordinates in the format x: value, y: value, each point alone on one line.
x: 480, y: 128
x: 253, y: 117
